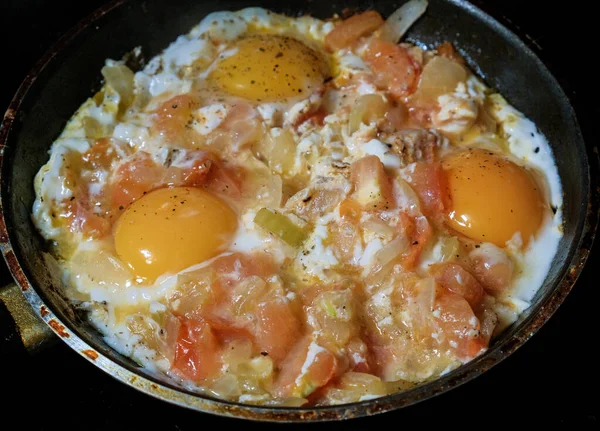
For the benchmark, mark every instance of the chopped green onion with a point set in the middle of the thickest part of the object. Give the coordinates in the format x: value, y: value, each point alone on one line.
x: 280, y: 226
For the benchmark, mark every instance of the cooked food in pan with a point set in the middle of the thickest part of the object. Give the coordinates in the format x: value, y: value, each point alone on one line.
x: 290, y: 211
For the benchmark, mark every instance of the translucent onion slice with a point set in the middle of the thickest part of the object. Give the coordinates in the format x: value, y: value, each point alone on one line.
x: 392, y: 250
x: 120, y: 78
x: 402, y: 19
x: 440, y: 76
x: 368, y: 108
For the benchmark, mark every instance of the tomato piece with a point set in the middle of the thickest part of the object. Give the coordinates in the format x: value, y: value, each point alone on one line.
x: 226, y: 329
x: 226, y: 180
x: 353, y: 28
x: 206, y: 171
x: 459, y: 325
x: 350, y: 210
x: 429, y: 182
x: 197, y: 175
x: 83, y: 219
x: 492, y: 267
x: 277, y: 328
x: 172, y: 117
x: 317, y: 117
x: 135, y: 178
x: 396, y: 117
x: 240, y: 128
x: 306, y: 368
x: 394, y: 68
x: 244, y: 266
x: 197, y: 355
x: 360, y: 357
x: 344, y: 240
x: 419, y: 232
x: 372, y: 186
x: 456, y: 279
x: 100, y: 155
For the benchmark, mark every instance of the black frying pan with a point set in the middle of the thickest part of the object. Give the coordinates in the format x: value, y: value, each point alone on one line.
x: 64, y: 78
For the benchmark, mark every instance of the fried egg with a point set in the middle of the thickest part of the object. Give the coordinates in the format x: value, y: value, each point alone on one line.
x: 274, y: 204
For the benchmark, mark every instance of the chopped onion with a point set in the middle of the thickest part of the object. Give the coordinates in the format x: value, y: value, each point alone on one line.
x: 93, y: 128
x: 440, y: 76
x: 379, y: 227
x: 120, y: 78
x: 402, y: 19
x: 392, y: 250
x: 367, y: 108
x: 407, y: 198
x: 426, y: 290
x: 278, y: 149
x: 280, y: 226
x: 449, y: 247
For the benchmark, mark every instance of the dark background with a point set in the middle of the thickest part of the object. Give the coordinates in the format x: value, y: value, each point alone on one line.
x: 551, y: 380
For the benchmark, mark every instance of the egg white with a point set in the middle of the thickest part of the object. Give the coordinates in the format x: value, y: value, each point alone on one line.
x: 104, y: 283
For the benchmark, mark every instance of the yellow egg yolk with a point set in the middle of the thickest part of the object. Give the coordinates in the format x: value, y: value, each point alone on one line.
x: 492, y: 198
x: 268, y: 68
x: 171, y: 229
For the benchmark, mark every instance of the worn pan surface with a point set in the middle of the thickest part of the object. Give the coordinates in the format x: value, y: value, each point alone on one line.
x: 69, y: 72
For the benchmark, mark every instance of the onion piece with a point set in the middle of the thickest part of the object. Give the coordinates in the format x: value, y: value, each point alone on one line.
x: 280, y: 226
x: 392, y: 250
x: 402, y: 19
x: 440, y: 76
x: 120, y: 78
x: 426, y: 293
x: 379, y: 227
x: 368, y: 108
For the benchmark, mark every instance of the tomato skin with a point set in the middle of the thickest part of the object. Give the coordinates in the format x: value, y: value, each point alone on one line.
x: 351, y: 29
x: 244, y: 266
x: 100, y: 155
x: 197, y: 356
x: 277, y: 329
x: 459, y: 325
x: 172, y: 117
x: 225, y: 180
x: 419, y: 232
x: 395, y: 70
x: 133, y: 179
x: 82, y: 219
x: 492, y: 267
x: 456, y: 279
x: 317, y: 374
x: 202, y: 162
x: 428, y: 180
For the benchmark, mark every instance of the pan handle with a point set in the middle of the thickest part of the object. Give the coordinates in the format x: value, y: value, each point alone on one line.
x: 35, y: 334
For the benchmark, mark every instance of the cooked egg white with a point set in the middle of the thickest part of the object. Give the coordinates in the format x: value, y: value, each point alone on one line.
x: 104, y: 278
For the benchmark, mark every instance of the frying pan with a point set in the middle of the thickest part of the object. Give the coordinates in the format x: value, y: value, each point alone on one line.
x: 64, y: 78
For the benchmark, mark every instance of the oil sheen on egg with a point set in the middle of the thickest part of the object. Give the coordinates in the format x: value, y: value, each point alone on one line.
x: 268, y: 68
x: 170, y: 229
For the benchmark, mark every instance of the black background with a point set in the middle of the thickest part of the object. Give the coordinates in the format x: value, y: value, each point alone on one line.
x: 551, y: 380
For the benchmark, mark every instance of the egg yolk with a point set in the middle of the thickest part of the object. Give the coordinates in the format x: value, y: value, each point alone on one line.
x: 171, y: 229
x: 492, y: 198
x: 269, y: 67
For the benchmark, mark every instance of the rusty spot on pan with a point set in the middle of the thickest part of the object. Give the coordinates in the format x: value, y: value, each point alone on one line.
x: 16, y: 270
x: 44, y: 311
x: 92, y: 354
x: 60, y: 329
x: 3, y: 231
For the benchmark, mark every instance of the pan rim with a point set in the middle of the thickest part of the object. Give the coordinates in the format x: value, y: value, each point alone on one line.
x: 185, y: 398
